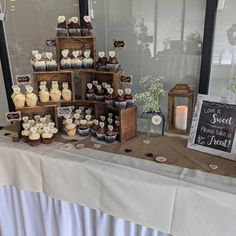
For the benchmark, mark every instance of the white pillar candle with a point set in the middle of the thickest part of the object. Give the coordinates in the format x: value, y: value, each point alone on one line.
x: 181, y: 117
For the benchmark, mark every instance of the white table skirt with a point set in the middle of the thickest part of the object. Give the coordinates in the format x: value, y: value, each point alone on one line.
x: 35, y: 214
x: 166, y: 198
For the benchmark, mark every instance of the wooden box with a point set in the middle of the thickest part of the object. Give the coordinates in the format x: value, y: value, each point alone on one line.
x: 87, y: 76
x: 76, y: 43
x: 39, y: 110
x: 60, y: 76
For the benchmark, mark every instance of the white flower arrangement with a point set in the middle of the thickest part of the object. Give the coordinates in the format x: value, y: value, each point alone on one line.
x: 153, y: 90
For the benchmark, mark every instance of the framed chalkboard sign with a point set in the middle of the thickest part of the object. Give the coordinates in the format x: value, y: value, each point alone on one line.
x: 13, y: 116
x: 213, y: 127
x: 23, y: 79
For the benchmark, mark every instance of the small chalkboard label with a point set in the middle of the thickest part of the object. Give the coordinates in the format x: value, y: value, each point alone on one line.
x: 126, y: 78
x: 51, y: 42
x: 118, y: 43
x: 64, y: 111
x: 23, y: 79
x: 213, y: 127
x: 13, y: 116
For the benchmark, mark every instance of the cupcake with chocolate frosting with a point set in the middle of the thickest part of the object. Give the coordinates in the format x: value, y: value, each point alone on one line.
x: 110, y: 135
x: 61, y: 26
x: 87, y: 28
x: 74, y: 26
x: 101, y: 63
x: 110, y: 98
x: 83, y: 128
x: 100, y: 93
x: 101, y: 131
x: 112, y: 64
x: 90, y: 92
x: 120, y: 99
x: 129, y: 98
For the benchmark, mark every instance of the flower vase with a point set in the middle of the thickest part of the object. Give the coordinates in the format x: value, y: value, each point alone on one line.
x: 155, y: 123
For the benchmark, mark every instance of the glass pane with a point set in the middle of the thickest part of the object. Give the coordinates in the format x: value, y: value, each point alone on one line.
x: 29, y: 24
x: 223, y: 69
x: 161, y: 37
x: 3, y: 98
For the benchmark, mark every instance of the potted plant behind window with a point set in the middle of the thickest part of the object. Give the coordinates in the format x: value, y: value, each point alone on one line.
x: 150, y: 100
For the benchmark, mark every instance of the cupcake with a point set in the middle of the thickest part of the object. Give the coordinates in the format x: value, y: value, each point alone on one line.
x: 47, y: 136
x: 34, y: 138
x: 101, y: 131
x: 65, y: 61
x: 77, y: 61
x: 39, y: 64
x: 43, y: 93
x: 120, y: 99
x: 89, y: 120
x: 110, y: 98
x: 25, y: 133
x: 53, y: 129
x: 113, y: 64
x: 31, y: 98
x: 51, y: 65
x: 74, y: 27
x: 18, y: 98
x: 90, y: 92
x: 101, y: 63
x: 70, y: 128
x: 100, y: 93
x: 88, y: 60
x: 66, y: 93
x: 83, y: 128
x: 117, y: 129
x: 110, y: 135
x: 61, y: 26
x: 95, y: 127
x: 129, y: 98
x: 55, y: 93
x: 87, y: 28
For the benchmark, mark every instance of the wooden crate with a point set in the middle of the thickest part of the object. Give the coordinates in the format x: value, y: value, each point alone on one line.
x: 76, y: 43
x: 76, y: 104
x: 87, y: 76
x: 60, y: 76
x: 39, y: 110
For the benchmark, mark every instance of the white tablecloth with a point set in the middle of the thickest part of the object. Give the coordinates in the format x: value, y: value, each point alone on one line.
x: 170, y: 199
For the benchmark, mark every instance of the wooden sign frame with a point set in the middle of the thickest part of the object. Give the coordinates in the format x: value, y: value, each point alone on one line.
x: 19, y: 82
x: 15, y: 113
x: 218, y: 137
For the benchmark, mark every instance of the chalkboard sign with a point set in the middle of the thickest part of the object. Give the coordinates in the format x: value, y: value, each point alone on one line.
x: 64, y: 111
x: 51, y: 42
x: 23, y: 79
x: 213, y: 127
x: 118, y: 43
x: 126, y: 78
x: 13, y: 116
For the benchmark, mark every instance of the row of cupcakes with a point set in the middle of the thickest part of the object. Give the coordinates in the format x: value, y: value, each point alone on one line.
x: 37, y: 130
x: 110, y: 64
x: 43, y: 61
x: 21, y: 100
x: 55, y: 94
x: 107, y: 128
x: 104, y: 92
x: 79, y: 60
x: 73, y: 28
x: 78, y: 122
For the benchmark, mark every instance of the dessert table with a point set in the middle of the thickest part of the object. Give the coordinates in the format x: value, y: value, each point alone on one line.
x: 115, y: 193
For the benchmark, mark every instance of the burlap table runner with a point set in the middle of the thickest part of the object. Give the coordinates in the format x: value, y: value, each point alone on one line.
x: 173, y: 148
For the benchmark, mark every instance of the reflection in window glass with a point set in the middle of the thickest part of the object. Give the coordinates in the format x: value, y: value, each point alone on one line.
x: 223, y: 71
x: 29, y: 24
x: 161, y: 37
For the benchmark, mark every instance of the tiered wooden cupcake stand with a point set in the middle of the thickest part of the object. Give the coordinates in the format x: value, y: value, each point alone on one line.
x: 127, y: 116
